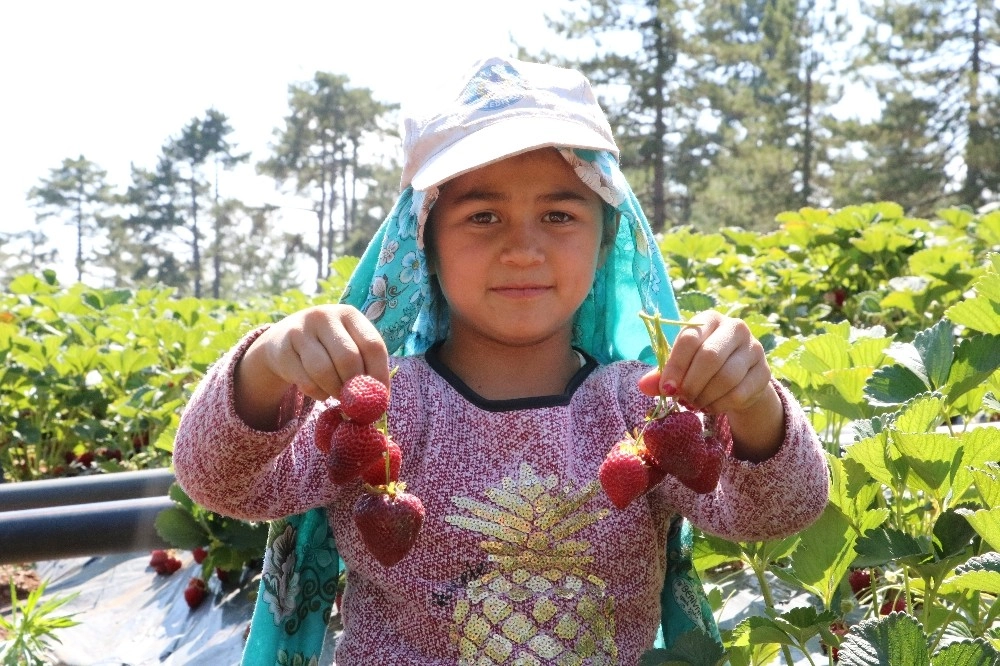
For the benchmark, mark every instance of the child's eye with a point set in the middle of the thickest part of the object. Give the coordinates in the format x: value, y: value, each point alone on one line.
x: 484, y: 217
x: 558, y: 217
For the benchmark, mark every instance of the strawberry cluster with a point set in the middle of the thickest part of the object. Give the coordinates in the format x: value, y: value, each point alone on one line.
x: 672, y: 441
x: 354, y: 436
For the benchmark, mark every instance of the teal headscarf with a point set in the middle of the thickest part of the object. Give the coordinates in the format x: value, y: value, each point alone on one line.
x: 392, y: 287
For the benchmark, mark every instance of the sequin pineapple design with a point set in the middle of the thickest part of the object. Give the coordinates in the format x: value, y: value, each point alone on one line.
x: 539, y: 602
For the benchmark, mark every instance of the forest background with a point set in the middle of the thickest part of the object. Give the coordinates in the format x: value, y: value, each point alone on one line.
x: 727, y: 113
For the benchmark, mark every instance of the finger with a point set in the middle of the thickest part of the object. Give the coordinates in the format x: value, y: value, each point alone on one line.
x: 649, y: 383
x: 719, y: 363
x: 371, y: 349
x: 685, y: 347
x: 745, y: 393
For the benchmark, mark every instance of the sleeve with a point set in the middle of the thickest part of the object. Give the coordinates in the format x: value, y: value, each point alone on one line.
x: 228, y: 467
x: 770, y: 499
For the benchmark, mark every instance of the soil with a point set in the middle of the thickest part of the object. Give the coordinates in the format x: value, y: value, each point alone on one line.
x: 25, y: 580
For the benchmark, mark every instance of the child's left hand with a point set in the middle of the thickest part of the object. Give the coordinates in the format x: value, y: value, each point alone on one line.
x: 720, y: 367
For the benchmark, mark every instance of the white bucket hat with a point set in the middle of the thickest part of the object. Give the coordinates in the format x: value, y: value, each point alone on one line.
x: 505, y: 107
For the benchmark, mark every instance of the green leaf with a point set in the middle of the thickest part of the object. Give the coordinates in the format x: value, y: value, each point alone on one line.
x: 981, y: 448
x: 975, y: 360
x: 986, y: 522
x: 920, y: 415
x: 982, y: 312
x: 893, y: 385
x: 936, y: 348
x: 694, y: 647
x: 696, y: 301
x: 880, y: 546
x: 933, y: 457
x: 891, y: 640
x: 952, y: 533
x: 980, y: 573
x: 976, y: 652
x: 176, y: 526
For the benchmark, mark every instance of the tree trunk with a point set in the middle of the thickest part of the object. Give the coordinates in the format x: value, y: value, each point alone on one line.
x: 659, y: 129
x: 195, y: 237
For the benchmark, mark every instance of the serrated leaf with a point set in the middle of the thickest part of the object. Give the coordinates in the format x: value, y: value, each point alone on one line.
x: 868, y: 351
x: 922, y: 414
x: 827, y: 351
x: 980, y: 573
x: 694, y: 648
x: 887, y: 544
x: 976, y: 652
x: 896, y: 639
x: 981, y: 447
x: 952, y: 533
x: 893, y: 385
x: 177, y: 527
x: 696, y: 301
x: 986, y: 522
x: 975, y: 360
x: 936, y: 348
x: 824, y: 553
x: 933, y: 457
x: 874, y: 454
x: 982, y: 312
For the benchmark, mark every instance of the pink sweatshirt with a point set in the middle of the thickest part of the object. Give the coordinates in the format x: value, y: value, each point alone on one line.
x: 521, y: 555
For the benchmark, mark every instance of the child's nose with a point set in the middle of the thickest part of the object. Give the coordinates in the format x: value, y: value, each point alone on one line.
x: 522, y: 244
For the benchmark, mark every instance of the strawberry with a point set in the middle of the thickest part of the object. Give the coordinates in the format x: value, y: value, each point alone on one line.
x: 195, y: 592
x: 354, y: 447
x: 199, y: 553
x: 677, y: 441
x: 389, y: 520
x: 623, y: 473
x: 374, y: 474
x: 364, y: 399
x: 709, y: 465
x: 163, y: 562
x: 326, y: 424
x: 895, y: 601
x: 861, y: 581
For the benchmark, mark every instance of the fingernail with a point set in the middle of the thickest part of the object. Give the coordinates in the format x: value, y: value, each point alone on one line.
x: 668, y: 388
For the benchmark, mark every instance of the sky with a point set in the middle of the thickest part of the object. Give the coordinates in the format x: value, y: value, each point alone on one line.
x: 113, y: 80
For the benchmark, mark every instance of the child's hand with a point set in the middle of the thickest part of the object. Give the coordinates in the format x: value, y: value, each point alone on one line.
x: 316, y: 349
x: 720, y: 367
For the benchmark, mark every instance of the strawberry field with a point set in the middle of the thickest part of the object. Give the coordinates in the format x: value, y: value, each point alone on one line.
x: 886, y: 327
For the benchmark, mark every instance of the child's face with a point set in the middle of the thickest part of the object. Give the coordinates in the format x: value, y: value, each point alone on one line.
x: 515, y: 246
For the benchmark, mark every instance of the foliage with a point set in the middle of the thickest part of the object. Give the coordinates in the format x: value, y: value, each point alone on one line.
x: 884, y: 326
x: 93, y: 380
x: 32, y: 626
x: 886, y: 329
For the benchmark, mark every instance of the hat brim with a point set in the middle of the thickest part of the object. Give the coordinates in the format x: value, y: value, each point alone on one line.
x: 502, y: 139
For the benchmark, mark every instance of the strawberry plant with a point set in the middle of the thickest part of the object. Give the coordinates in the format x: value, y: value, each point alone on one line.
x: 32, y: 626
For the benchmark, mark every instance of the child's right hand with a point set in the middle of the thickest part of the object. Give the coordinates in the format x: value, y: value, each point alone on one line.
x: 316, y: 349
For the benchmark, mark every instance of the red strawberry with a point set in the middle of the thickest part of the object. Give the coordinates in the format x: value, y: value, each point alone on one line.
x: 326, y: 424
x: 374, y: 473
x: 355, y: 446
x: 199, y: 553
x: 364, y: 399
x: 158, y: 557
x: 860, y: 581
x: 678, y: 443
x: 895, y: 601
x: 195, y: 592
x: 623, y: 474
x: 709, y: 464
x: 389, y: 522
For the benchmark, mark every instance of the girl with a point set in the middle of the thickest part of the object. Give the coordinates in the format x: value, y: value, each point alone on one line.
x: 504, y: 290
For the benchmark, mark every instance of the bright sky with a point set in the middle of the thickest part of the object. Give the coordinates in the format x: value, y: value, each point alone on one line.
x: 114, y: 79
